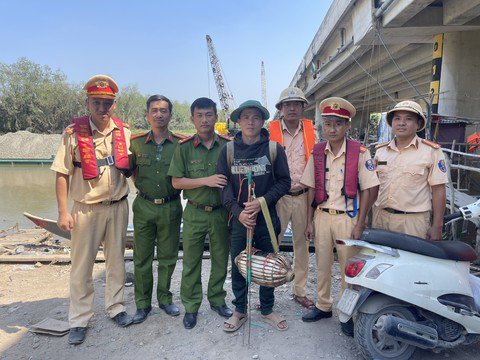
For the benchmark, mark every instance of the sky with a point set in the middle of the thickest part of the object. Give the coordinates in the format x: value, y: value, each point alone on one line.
x: 160, y: 46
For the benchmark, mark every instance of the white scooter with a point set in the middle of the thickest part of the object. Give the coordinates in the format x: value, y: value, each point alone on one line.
x: 405, y: 292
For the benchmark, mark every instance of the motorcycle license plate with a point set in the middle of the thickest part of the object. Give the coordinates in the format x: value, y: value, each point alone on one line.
x: 348, y: 301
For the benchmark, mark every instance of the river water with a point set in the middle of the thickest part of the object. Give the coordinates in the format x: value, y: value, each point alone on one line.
x: 31, y: 188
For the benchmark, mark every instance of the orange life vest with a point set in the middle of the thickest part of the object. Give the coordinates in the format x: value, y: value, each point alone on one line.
x: 276, y: 134
x: 473, y: 139
x: 89, y: 163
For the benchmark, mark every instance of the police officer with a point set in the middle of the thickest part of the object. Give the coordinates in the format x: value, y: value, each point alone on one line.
x: 90, y: 165
x: 340, y: 211
x: 412, y: 175
x: 157, y: 211
x: 193, y: 169
x: 297, y: 136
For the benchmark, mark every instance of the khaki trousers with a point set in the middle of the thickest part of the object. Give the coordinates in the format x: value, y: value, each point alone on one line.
x: 412, y: 224
x: 294, y: 209
x: 94, y: 225
x: 328, y: 228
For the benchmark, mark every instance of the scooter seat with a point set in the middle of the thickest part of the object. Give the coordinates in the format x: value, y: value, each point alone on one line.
x: 449, y: 250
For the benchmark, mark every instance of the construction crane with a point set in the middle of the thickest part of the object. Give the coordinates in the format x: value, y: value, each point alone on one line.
x: 264, y: 87
x: 224, y: 94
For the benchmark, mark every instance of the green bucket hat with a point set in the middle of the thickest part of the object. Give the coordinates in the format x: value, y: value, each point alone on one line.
x: 249, y: 104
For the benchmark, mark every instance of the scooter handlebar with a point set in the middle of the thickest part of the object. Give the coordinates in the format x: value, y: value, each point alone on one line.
x: 452, y: 216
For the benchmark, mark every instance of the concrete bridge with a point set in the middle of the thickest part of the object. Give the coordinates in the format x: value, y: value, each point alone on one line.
x: 378, y: 52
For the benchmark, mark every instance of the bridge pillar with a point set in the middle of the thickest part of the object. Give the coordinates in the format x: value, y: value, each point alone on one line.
x: 459, y: 82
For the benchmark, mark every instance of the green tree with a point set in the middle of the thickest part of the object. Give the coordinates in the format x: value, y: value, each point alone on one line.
x: 131, y: 107
x: 36, y: 98
x: 181, y: 116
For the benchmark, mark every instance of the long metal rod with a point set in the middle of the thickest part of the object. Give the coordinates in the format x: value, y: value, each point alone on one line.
x: 249, y: 261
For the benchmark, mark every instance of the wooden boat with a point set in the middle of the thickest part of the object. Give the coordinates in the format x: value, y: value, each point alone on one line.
x: 51, y: 225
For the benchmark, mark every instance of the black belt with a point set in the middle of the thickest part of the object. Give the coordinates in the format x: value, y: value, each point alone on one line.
x: 110, y: 202
x: 108, y: 161
x: 297, y: 193
x: 207, y: 208
x: 393, y: 211
x: 332, y: 211
x: 160, y: 201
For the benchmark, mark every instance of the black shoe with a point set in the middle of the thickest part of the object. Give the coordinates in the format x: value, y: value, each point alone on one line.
x: 141, y: 315
x: 190, y: 320
x: 316, y: 314
x: 77, y: 335
x: 170, y: 309
x: 222, y: 310
x: 122, y: 319
x: 347, y: 328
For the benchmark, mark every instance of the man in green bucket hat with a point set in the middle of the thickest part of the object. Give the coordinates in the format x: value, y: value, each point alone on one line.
x: 252, y: 152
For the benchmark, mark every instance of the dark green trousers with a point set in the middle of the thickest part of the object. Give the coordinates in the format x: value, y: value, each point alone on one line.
x: 155, y: 226
x: 196, y: 225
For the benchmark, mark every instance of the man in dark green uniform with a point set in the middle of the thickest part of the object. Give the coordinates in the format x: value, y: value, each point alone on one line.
x: 157, y: 211
x: 193, y: 169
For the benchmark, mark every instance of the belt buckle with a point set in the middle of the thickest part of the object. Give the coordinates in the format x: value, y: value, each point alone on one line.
x: 159, y: 201
x: 106, y: 202
x: 208, y: 208
x: 332, y: 211
x: 110, y: 160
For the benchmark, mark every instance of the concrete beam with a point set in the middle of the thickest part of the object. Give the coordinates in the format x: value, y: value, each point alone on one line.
x: 349, y: 75
x: 418, y: 58
x: 417, y: 76
x: 384, y: 103
x: 403, y: 10
x: 460, y: 12
x: 334, y: 16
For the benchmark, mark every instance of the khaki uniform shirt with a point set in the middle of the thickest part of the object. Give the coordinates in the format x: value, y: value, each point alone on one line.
x: 193, y: 160
x: 150, y: 162
x: 295, y: 150
x: 334, y: 177
x: 110, y: 185
x: 406, y: 175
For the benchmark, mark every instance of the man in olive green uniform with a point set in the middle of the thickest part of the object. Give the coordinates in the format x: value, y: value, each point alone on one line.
x: 193, y: 169
x: 157, y: 211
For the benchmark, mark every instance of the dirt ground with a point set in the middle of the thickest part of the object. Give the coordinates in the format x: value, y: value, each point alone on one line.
x: 29, y: 296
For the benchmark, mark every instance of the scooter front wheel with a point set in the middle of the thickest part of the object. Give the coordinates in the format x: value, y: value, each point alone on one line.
x: 374, y: 343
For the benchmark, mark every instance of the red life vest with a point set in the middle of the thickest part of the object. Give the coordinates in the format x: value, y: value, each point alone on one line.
x: 276, y: 134
x: 89, y: 163
x: 350, y: 175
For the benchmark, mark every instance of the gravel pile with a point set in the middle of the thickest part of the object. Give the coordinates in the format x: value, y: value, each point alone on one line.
x: 26, y: 145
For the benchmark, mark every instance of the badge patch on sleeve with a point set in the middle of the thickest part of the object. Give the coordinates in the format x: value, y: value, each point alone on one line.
x: 442, y: 166
x: 369, y: 165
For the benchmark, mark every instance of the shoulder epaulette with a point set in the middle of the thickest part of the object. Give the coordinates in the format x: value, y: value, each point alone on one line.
x: 378, y: 146
x: 431, y: 144
x: 362, y: 149
x: 136, y: 136
x: 225, y: 137
x: 186, y: 139
x: 178, y: 135
x: 70, y: 129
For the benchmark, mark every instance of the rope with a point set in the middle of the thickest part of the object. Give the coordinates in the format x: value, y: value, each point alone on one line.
x: 268, y: 221
x: 370, y: 75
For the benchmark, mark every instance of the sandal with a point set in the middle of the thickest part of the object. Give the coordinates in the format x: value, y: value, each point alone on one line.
x: 304, y: 301
x: 233, y: 323
x: 275, y: 320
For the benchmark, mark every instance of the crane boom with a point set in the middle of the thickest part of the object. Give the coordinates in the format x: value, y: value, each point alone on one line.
x: 224, y: 94
x: 264, y: 87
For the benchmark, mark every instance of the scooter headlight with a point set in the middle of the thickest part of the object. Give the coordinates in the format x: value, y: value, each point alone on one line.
x: 377, y: 271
